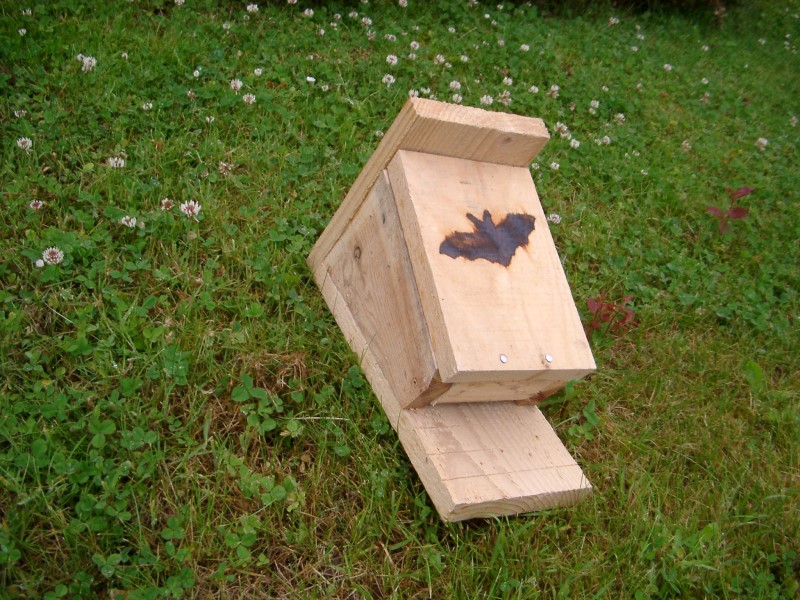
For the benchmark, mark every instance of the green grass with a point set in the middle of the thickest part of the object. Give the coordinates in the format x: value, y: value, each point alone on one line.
x: 180, y: 415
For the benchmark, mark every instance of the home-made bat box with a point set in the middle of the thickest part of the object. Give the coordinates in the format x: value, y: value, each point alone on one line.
x: 440, y: 269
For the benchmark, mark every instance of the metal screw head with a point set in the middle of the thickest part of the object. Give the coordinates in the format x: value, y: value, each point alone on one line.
x: 503, y: 358
x: 548, y: 357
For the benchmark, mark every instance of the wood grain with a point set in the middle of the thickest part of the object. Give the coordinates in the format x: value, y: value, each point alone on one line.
x: 488, y: 322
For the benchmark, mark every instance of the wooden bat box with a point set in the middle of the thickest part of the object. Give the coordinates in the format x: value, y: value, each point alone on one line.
x: 440, y: 269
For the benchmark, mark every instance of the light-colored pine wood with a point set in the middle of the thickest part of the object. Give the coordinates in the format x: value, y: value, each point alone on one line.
x: 488, y: 322
x: 372, y: 272
x: 475, y: 458
x: 488, y: 459
x: 438, y: 128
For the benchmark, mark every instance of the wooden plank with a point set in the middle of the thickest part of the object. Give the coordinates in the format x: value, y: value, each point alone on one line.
x: 489, y: 321
x: 360, y: 345
x: 487, y: 459
x: 372, y: 273
x: 535, y: 388
x: 438, y: 128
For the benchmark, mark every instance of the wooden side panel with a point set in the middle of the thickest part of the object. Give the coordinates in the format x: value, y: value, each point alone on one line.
x: 438, y: 128
x: 486, y: 459
x: 508, y: 314
x: 372, y: 272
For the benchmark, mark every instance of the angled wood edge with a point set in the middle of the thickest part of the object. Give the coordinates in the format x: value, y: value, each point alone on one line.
x: 439, y: 128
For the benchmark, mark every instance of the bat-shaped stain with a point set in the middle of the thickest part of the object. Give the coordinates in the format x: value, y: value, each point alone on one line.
x: 495, y: 243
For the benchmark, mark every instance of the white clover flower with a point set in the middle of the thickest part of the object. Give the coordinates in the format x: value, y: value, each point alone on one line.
x: 413, y: 93
x: 20, y: 113
x: 605, y: 140
x: 793, y: 121
x: 166, y: 204
x: 22, y: 31
x: 686, y: 146
x: 501, y: 43
x: 762, y: 41
x: 619, y: 118
x: 463, y: 58
x: 116, y: 162
x: 309, y: 12
x: 668, y: 67
x: 388, y: 79
x: 555, y: 166
x: 613, y: 21
x: 191, y: 209
x: 25, y: 143
x: 634, y: 48
x: 325, y: 87
x: 704, y: 48
x: 252, y: 8
x: 554, y: 218
x: 414, y: 45
x: 128, y: 221
x: 762, y: 143
x: 533, y: 89
x: 179, y: 2
x: 89, y: 63
x: 249, y: 98
x: 52, y: 256
x: 704, y: 81
x: 439, y: 59
x: 191, y: 95
x: 487, y: 100
x: 575, y: 144
x: 147, y: 106
x: 508, y: 81
x: 412, y: 56
x: 365, y: 21
x: 391, y: 60
x: 258, y: 71
x: 403, y: 3
x: 236, y: 84
x: 196, y: 73
x: 36, y: 205
x: 604, y: 88
x: 524, y: 47
x: 225, y: 168
x: 378, y: 133
x: 320, y: 32
x: 39, y: 263
x: 390, y: 37
x: 455, y: 85
x: 26, y: 12
x: 553, y: 92
x: 504, y: 98
x: 457, y: 98
x: 124, y: 55
x: 310, y: 79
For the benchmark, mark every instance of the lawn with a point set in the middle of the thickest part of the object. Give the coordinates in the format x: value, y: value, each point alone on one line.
x: 180, y: 416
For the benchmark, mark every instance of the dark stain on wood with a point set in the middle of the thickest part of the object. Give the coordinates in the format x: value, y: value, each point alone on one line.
x: 495, y: 243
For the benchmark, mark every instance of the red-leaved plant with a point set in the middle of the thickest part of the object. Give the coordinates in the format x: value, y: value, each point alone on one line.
x: 733, y: 212
x: 610, y: 316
